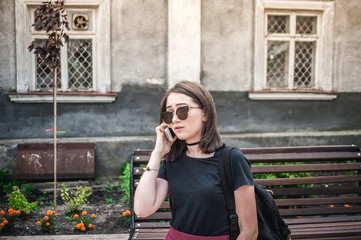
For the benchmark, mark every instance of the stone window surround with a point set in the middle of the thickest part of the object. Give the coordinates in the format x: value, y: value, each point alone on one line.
x: 324, y: 59
x: 23, y: 56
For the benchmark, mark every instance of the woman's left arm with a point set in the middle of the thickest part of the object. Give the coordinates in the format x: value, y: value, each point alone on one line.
x: 247, y: 212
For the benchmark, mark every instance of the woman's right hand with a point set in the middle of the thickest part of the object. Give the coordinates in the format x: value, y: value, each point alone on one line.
x: 162, y: 145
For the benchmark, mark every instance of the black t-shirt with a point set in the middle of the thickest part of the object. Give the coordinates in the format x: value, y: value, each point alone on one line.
x: 196, y: 196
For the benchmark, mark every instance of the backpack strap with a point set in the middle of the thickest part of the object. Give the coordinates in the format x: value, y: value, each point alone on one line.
x: 227, y: 185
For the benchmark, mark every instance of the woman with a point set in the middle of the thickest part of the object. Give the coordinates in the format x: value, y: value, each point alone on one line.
x: 190, y: 171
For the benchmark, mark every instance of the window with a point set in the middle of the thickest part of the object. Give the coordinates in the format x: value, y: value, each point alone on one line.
x: 76, y: 68
x: 293, y: 50
x: 291, y: 41
x: 84, y: 71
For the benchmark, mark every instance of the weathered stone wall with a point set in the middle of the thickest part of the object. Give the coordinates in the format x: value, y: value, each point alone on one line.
x: 347, y: 46
x: 7, y: 46
x: 139, y: 58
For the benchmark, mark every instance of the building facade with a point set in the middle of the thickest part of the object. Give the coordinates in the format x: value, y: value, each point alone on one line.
x: 282, y: 72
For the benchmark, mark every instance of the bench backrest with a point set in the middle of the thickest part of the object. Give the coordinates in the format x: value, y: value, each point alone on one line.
x: 305, y: 181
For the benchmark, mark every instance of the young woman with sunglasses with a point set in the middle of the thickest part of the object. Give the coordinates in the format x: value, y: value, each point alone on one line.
x: 190, y: 171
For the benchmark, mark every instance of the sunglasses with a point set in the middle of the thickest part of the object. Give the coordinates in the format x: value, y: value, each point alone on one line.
x: 181, y: 112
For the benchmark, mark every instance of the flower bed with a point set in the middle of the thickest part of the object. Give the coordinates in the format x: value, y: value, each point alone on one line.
x: 101, y: 214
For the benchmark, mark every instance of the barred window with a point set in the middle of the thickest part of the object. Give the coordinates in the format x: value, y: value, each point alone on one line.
x: 293, y: 53
x: 76, y: 70
x: 291, y: 41
x: 80, y: 70
x: 84, y: 60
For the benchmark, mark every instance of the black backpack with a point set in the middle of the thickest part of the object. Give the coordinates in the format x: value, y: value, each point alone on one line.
x: 270, y: 223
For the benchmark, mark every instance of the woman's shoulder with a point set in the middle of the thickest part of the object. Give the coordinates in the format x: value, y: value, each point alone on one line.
x: 237, y: 156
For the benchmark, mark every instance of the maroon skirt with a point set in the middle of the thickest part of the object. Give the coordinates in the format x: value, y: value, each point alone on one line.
x: 176, y: 235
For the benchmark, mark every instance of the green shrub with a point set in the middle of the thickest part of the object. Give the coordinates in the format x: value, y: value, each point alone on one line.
x: 80, y: 198
x: 282, y: 175
x: 18, y: 201
x: 7, y: 182
x: 124, y: 185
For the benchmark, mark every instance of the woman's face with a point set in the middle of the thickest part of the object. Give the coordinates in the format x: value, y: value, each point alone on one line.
x: 189, y: 129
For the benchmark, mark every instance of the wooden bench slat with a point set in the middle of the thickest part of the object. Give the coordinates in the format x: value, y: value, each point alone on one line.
x: 152, y: 230
x: 317, y: 201
x: 323, y: 225
x: 150, y: 236
x: 294, y: 168
x: 145, y: 225
x: 315, y: 191
x: 319, y: 211
x: 302, y: 157
x: 297, y: 181
x: 337, y: 238
x: 325, y: 233
x: 337, y: 219
x: 309, y: 180
x: 307, y: 168
x: 302, y: 149
x: 156, y: 216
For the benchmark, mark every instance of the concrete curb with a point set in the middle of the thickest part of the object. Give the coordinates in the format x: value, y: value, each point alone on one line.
x: 69, y: 237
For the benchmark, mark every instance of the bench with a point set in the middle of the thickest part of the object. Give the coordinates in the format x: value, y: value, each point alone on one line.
x: 317, y: 192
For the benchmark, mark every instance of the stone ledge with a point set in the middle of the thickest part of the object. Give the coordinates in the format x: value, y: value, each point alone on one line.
x: 63, y: 97
x: 291, y: 95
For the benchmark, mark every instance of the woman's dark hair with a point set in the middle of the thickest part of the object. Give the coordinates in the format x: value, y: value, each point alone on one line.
x: 210, y: 138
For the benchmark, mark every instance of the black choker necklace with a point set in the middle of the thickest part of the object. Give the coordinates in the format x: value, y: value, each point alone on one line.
x: 192, y: 144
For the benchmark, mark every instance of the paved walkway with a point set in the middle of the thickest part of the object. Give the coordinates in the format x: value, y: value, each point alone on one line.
x: 69, y: 237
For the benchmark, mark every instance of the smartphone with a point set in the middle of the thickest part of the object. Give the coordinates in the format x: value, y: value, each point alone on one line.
x: 169, y: 134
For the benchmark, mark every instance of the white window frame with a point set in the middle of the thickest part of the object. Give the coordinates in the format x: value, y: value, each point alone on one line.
x: 73, y: 35
x: 100, y: 34
x: 324, y: 53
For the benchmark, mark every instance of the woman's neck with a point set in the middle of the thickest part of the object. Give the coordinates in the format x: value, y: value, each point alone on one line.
x: 196, y: 152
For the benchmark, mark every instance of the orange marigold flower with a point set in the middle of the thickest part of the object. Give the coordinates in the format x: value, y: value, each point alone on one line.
x: 46, y: 218
x: 2, y: 212
x: 78, y: 226
x: 128, y: 212
x: 332, y: 205
x: 84, y: 213
x: 90, y: 225
x: 93, y: 216
x: 76, y: 216
x: 3, y: 218
x: 2, y: 224
x: 346, y: 205
x: 5, y: 221
x: 18, y: 212
x: 124, y: 213
x: 10, y: 210
x: 47, y: 224
x: 82, y: 228
x: 49, y: 212
x: 38, y: 223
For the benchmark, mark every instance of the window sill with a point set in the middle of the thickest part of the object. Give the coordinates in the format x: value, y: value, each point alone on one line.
x: 292, y: 95
x: 63, y: 97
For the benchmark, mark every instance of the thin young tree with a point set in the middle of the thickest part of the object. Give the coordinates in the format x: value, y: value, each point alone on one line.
x: 51, y: 18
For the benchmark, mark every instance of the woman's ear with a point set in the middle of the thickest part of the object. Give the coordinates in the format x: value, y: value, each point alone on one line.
x: 204, y: 118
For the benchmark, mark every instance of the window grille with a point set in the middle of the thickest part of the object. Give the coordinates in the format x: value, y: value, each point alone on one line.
x: 278, y: 24
x: 45, y: 76
x: 76, y: 68
x: 277, y: 70
x: 80, y: 70
x: 291, y: 51
x: 306, y: 25
x: 304, y: 65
